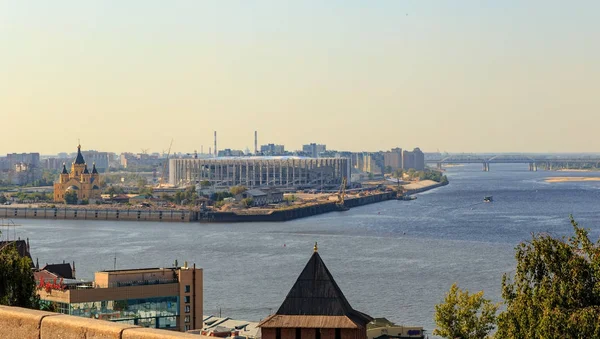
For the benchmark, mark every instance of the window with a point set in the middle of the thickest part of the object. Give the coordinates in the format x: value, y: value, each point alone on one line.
x: 187, y: 308
x: 187, y: 318
x: 278, y: 333
x: 187, y: 327
x: 318, y: 333
x: 298, y: 333
x: 338, y: 333
x: 187, y: 288
x: 186, y: 299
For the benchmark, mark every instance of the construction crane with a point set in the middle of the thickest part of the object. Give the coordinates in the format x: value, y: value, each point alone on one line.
x: 341, y: 196
x: 162, y: 175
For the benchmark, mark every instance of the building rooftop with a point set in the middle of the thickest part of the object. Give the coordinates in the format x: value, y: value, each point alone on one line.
x: 259, y: 157
x: 63, y: 270
x: 316, y: 301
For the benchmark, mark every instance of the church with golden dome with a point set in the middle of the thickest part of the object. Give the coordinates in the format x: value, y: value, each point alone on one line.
x: 80, y: 180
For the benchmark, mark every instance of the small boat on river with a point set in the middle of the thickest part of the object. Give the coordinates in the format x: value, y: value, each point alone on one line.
x: 488, y: 198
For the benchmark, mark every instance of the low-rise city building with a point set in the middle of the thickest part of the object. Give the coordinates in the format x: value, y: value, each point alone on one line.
x: 167, y: 298
x: 228, y: 328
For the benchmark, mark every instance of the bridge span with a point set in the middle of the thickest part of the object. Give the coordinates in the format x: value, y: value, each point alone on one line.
x: 533, y: 162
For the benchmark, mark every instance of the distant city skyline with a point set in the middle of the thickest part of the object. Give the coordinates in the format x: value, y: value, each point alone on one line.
x: 468, y: 76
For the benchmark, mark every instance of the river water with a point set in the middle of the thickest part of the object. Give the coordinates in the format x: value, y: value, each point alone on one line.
x: 394, y: 259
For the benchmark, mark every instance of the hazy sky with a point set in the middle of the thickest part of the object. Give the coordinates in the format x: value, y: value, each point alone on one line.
x: 452, y: 75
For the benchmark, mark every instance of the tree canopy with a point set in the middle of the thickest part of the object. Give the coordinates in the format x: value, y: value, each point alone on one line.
x: 17, y: 284
x: 463, y: 315
x: 555, y: 291
x: 235, y: 190
x: 71, y: 198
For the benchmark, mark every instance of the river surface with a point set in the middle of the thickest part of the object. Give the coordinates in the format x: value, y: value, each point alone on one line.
x: 394, y: 259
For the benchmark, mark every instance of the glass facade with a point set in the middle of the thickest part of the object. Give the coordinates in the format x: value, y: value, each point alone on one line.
x: 159, y: 312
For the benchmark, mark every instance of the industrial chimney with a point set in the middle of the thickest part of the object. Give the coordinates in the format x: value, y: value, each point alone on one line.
x: 255, y: 142
x: 215, y: 149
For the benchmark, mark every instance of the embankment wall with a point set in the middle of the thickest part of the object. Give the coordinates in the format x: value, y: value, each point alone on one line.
x: 96, y: 214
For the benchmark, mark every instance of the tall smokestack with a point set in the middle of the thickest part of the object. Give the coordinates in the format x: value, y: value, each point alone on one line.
x: 255, y: 142
x: 215, y: 149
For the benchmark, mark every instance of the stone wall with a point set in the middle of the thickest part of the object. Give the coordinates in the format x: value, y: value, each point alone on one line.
x: 20, y: 323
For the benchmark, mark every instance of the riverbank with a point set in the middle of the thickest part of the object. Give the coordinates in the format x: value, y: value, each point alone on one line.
x: 571, y: 179
x: 171, y: 215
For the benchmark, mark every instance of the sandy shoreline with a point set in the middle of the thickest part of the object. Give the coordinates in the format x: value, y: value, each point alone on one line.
x: 571, y: 179
x: 577, y: 170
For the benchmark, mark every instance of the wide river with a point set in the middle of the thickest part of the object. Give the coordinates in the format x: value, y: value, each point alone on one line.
x: 394, y: 259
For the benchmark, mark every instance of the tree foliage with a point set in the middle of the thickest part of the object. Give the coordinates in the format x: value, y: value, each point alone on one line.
x: 71, y: 198
x: 247, y: 202
x: 235, y: 190
x: 463, y: 315
x: 114, y: 190
x: 2, y: 199
x: 17, y: 284
x: 555, y: 292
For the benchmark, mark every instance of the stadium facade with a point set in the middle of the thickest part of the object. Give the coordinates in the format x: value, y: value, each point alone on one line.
x: 283, y: 172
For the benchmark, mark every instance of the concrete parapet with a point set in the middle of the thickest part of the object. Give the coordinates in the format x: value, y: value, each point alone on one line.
x: 20, y: 323
x: 148, y: 333
x: 70, y: 327
x: 17, y: 323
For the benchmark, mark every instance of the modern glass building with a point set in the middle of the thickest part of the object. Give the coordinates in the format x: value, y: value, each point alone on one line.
x: 166, y: 298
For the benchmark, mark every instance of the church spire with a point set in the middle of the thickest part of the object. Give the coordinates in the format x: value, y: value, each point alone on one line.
x: 64, y: 171
x: 94, y: 171
x: 85, y: 170
x: 79, y: 160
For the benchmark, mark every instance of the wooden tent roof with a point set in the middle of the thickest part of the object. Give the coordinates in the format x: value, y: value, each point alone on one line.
x: 316, y: 301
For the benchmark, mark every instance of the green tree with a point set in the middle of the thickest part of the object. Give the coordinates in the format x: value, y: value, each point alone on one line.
x: 463, y: 315
x: 141, y: 184
x: 247, y: 202
x: 555, y: 291
x: 71, y: 198
x: 17, y: 284
x: 205, y: 183
x: 2, y: 199
x: 235, y: 190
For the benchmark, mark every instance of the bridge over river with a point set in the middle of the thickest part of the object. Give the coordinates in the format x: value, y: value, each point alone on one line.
x: 547, y: 163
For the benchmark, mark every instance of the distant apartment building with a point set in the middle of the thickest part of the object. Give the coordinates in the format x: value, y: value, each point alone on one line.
x: 393, y: 158
x: 313, y: 150
x: 272, y: 149
x: 166, y: 298
x: 55, y: 163
x: 414, y: 159
x: 230, y: 153
x: 130, y: 160
x: 20, y: 168
x: 101, y: 159
x: 367, y: 162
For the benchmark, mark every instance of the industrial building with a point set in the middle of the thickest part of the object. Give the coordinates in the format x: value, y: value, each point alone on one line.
x: 284, y: 172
